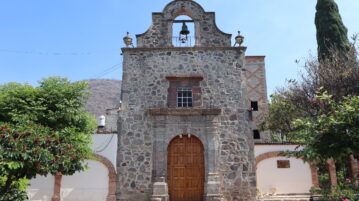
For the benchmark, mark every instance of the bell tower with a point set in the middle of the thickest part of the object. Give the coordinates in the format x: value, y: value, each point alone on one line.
x: 184, y: 132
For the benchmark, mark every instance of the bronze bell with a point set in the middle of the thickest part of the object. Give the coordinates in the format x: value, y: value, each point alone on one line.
x: 184, y: 30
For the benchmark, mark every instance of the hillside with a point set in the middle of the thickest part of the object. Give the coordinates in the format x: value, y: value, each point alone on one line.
x: 105, y: 94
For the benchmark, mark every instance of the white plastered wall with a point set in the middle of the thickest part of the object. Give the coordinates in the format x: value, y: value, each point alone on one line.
x: 272, y: 180
x: 106, y: 146
x: 91, y: 184
x: 41, y: 188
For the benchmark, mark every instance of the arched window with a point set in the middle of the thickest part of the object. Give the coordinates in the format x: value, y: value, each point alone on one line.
x: 183, y: 32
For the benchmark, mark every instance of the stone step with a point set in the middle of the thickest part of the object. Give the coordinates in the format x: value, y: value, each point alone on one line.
x: 285, y: 198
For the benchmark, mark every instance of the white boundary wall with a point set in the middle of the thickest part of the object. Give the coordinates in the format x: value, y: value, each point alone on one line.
x: 41, y: 188
x: 272, y: 180
x: 90, y: 185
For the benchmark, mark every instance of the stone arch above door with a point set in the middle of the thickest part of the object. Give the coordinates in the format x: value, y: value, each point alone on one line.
x: 197, y: 127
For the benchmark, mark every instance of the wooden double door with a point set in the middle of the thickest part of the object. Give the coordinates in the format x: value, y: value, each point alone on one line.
x: 186, y: 169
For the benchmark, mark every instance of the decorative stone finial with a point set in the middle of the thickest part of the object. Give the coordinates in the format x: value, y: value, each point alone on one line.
x: 127, y: 40
x: 239, y: 39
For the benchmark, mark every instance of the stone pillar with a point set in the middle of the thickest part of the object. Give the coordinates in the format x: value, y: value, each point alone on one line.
x: 57, y: 187
x: 332, y: 172
x: 213, y: 188
x: 160, y: 190
x: 354, y: 167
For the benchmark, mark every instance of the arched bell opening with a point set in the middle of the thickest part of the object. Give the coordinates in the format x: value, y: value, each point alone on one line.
x: 183, y: 32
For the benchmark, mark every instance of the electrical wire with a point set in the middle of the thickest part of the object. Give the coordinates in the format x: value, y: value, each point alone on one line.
x: 104, y: 145
x: 56, y: 53
x: 107, y: 71
x: 32, y: 52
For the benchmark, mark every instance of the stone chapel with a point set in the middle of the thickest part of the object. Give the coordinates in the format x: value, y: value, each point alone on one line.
x: 188, y: 116
x: 184, y: 126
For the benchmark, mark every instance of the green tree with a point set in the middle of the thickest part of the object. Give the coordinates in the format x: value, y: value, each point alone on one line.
x: 331, y: 32
x: 281, y: 115
x: 43, y: 130
x: 338, y: 76
x: 326, y: 124
x: 333, y: 133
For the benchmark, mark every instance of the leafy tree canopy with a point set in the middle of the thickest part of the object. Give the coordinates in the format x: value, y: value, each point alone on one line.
x: 282, y: 114
x: 56, y: 104
x: 337, y: 76
x: 43, y: 130
x: 334, y: 133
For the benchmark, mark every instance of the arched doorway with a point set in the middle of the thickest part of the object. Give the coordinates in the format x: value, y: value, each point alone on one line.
x: 186, y: 169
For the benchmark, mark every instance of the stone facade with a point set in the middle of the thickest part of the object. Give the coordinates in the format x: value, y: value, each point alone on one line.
x: 219, y: 118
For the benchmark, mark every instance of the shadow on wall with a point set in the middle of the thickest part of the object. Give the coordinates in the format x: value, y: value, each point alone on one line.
x: 89, y: 185
x: 41, y: 188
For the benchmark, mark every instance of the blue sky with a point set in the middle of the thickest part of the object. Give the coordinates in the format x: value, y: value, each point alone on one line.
x: 81, y: 39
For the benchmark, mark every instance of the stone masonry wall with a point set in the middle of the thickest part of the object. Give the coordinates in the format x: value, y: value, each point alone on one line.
x: 226, y: 136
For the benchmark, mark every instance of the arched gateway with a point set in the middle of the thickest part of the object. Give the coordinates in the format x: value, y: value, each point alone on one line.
x: 186, y: 169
